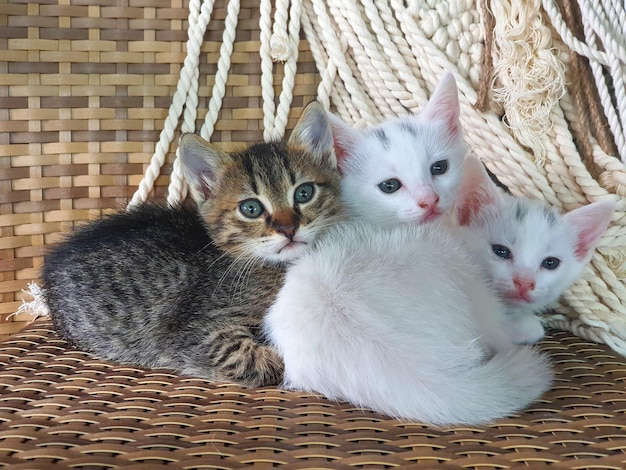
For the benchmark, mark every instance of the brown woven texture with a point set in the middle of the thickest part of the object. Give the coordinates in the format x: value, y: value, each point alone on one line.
x: 84, y: 91
x: 61, y: 406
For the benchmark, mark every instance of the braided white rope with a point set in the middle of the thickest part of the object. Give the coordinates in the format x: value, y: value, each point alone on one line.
x: 190, y: 65
x: 605, y: 27
x: 267, y: 69
x: 280, y: 46
x: 177, y: 189
x: 289, y: 44
x: 223, y: 65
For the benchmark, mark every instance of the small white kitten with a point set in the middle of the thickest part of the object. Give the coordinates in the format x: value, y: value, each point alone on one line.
x: 531, y: 252
x: 402, y: 322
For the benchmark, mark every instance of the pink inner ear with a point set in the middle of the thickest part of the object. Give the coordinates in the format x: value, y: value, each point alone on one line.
x: 586, y: 242
x: 341, y: 151
x: 476, y: 194
x: 469, y: 209
x: 444, y: 105
x: 454, y: 125
x: 589, y: 222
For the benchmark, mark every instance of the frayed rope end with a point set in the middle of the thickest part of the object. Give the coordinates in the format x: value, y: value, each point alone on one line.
x: 36, y: 307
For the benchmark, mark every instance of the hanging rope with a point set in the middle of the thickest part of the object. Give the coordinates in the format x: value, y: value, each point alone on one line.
x: 189, y: 70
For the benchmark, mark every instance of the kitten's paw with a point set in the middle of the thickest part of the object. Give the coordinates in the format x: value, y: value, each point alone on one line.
x: 234, y: 354
x: 524, y: 328
x: 255, y: 365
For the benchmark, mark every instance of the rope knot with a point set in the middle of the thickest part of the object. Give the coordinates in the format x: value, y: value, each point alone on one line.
x: 280, y: 49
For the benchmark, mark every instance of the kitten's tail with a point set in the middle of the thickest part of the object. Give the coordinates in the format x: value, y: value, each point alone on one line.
x: 505, y: 384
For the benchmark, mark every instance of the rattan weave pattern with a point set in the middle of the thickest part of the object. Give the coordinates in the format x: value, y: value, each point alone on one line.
x: 61, y: 406
x: 84, y: 91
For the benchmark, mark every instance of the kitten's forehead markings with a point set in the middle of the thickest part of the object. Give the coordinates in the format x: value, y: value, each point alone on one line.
x: 248, y: 166
x: 408, y: 128
x: 550, y: 215
x: 521, y: 211
x: 287, y: 166
x: 382, y: 138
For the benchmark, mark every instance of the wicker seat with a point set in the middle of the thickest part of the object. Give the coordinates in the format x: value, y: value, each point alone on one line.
x: 84, y: 91
x: 62, y: 406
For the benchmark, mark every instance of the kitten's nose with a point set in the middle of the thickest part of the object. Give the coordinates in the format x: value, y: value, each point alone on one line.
x: 428, y: 201
x: 288, y: 231
x: 285, y: 222
x: 524, y: 286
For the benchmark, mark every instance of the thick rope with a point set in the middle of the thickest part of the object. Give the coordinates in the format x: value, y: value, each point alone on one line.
x: 605, y: 25
x: 223, y: 66
x: 177, y: 189
x: 187, y: 73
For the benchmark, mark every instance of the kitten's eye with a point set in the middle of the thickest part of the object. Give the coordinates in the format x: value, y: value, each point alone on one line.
x: 439, y: 168
x: 501, y: 251
x: 390, y: 186
x: 251, y: 208
x: 304, y: 193
x: 550, y: 263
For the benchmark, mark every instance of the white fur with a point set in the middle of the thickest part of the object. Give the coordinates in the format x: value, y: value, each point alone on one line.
x: 400, y: 321
x: 532, y: 231
x: 403, y: 148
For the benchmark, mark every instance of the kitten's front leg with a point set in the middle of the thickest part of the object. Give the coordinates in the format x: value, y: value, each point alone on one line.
x: 236, y: 355
x: 523, y: 327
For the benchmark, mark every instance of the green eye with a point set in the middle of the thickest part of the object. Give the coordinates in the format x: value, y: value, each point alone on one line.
x: 304, y: 193
x: 390, y: 186
x: 251, y: 208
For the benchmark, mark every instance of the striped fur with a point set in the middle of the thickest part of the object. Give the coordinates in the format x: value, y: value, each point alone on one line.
x: 187, y: 288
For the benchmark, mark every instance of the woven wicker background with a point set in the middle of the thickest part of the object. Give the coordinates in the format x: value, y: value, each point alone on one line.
x: 61, y: 408
x: 84, y: 91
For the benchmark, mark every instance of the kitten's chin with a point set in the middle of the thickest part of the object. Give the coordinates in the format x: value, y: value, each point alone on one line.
x: 422, y: 218
x: 434, y: 215
x: 514, y: 301
x: 288, y: 252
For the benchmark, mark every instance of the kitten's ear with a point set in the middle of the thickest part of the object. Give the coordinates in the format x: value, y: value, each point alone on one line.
x: 344, y: 138
x: 589, y: 223
x: 477, y: 192
x: 443, y: 105
x: 199, y: 163
x: 313, y: 132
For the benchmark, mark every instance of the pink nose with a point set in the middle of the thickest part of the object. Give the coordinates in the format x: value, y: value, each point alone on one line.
x: 429, y: 201
x: 524, y: 286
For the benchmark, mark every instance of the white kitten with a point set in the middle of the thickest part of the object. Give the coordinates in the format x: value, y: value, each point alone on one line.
x: 405, y: 169
x: 531, y: 252
x: 401, y: 321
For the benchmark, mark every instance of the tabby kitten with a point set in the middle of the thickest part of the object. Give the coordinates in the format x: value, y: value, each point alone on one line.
x: 186, y: 288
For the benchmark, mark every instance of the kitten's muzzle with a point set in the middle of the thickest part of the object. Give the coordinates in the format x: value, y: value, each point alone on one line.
x: 286, y: 223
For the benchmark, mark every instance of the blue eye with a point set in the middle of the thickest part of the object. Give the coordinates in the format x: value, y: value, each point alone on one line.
x: 550, y: 263
x: 501, y: 251
x: 439, y: 168
x: 251, y: 208
x: 304, y: 193
x: 390, y: 186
